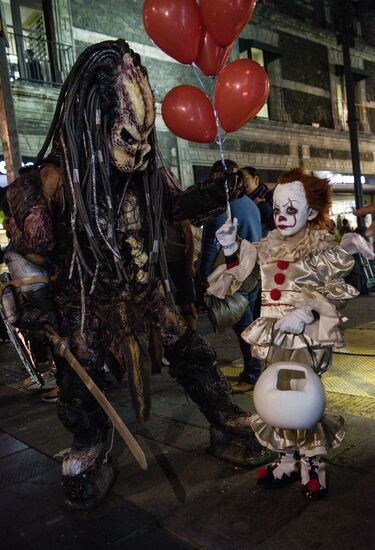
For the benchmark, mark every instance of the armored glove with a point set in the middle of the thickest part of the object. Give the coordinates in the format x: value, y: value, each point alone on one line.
x: 202, y: 202
x: 226, y: 236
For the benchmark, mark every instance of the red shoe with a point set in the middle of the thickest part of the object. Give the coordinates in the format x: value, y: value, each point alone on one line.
x: 280, y: 473
x: 314, y: 482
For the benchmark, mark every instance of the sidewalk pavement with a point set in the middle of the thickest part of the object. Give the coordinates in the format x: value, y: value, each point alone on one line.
x: 187, y: 498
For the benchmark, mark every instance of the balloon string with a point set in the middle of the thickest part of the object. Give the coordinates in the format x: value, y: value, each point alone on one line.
x: 220, y: 144
x: 218, y: 140
x: 195, y: 69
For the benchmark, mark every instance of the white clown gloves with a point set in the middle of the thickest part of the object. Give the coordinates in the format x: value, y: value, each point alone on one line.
x: 295, y: 321
x: 226, y: 235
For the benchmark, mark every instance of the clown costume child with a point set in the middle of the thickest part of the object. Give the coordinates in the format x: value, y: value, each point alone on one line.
x: 303, y: 289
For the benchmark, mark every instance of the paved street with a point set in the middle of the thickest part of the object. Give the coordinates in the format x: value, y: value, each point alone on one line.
x: 186, y: 498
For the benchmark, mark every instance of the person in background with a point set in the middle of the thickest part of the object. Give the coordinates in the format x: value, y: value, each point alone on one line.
x: 261, y: 195
x: 332, y: 229
x: 369, y: 232
x: 34, y: 67
x: 38, y: 350
x: 3, y: 211
x: 345, y: 227
x: 369, y: 209
x: 46, y: 366
x: 249, y: 228
x: 3, y: 331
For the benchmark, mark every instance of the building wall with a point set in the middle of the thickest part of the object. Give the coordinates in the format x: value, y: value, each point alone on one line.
x: 34, y: 106
x: 308, y: 11
x: 306, y: 128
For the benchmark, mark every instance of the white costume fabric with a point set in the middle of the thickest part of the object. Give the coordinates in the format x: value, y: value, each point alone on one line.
x: 303, y: 288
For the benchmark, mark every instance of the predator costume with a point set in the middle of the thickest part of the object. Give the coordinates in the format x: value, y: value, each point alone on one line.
x: 90, y: 218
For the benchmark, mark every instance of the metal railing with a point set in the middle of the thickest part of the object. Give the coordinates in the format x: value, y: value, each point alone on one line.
x: 275, y: 4
x: 278, y: 109
x: 34, y: 59
x: 365, y: 117
x: 274, y: 109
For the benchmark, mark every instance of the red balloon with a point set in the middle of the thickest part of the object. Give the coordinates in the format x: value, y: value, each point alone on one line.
x: 225, y: 19
x: 241, y: 90
x: 174, y: 26
x: 211, y: 57
x: 188, y: 113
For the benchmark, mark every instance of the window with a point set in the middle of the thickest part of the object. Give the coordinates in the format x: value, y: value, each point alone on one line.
x: 257, y: 55
x: 359, y: 99
x: 33, y: 54
x: 341, y: 102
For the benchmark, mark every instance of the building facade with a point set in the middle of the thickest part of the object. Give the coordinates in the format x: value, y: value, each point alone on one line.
x: 304, y: 122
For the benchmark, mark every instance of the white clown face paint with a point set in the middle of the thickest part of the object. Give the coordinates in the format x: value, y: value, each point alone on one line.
x: 291, y: 211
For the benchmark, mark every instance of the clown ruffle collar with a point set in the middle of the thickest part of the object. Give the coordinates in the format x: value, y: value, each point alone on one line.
x: 275, y: 246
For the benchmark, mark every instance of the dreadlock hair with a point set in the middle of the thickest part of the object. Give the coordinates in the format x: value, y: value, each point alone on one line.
x: 318, y: 193
x: 86, y: 108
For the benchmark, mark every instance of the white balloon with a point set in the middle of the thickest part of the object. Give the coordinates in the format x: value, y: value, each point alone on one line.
x: 289, y: 395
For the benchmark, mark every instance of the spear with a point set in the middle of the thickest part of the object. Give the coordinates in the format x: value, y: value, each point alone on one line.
x: 62, y: 348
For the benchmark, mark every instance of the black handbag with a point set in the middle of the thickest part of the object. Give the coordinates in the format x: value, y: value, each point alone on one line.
x: 224, y: 313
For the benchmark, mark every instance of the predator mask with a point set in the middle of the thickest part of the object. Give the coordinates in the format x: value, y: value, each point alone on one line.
x: 129, y: 136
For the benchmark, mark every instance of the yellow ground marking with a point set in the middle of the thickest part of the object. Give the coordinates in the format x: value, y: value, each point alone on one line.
x: 359, y: 341
x: 350, y: 382
x: 351, y: 404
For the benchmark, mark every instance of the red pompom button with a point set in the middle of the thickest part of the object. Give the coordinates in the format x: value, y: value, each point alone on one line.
x: 279, y: 278
x: 282, y: 264
x: 275, y: 294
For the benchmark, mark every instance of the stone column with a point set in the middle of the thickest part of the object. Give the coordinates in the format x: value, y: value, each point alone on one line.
x: 63, y: 26
x: 186, y: 167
